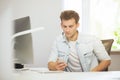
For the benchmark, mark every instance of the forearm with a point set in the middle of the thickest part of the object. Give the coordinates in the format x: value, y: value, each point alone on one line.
x: 102, y: 66
x: 51, y: 66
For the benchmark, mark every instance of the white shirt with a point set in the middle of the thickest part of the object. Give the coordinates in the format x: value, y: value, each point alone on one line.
x: 74, y: 64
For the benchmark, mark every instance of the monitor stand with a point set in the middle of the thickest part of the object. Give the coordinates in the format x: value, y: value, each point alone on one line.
x: 18, y: 66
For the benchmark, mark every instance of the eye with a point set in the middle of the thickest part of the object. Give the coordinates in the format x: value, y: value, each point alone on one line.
x: 64, y: 26
x: 70, y: 26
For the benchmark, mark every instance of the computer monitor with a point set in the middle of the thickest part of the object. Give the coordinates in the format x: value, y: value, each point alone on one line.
x: 23, y: 45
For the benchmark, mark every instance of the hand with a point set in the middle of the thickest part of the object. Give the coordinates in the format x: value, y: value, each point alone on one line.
x: 93, y: 70
x: 60, y: 65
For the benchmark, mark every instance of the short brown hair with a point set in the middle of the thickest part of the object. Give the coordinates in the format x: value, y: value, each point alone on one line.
x: 68, y: 14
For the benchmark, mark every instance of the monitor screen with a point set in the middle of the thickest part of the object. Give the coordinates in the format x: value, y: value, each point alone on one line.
x: 23, y: 47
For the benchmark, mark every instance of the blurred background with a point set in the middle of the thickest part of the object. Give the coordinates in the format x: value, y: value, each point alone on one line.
x: 97, y: 17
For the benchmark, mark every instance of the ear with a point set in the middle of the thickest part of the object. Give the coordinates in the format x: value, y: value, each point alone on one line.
x: 78, y: 24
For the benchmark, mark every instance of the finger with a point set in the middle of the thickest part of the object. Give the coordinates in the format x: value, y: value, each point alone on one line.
x: 65, y: 64
x: 62, y: 68
x: 61, y: 64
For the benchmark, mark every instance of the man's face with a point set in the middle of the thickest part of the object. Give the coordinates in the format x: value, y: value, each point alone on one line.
x: 69, y: 27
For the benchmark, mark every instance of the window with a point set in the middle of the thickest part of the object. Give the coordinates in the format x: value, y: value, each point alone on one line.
x: 98, y: 17
x: 105, y: 20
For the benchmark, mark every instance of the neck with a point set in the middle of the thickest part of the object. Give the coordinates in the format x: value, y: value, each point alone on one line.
x: 73, y: 37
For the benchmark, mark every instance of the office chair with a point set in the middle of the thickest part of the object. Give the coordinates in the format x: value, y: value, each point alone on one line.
x: 108, y: 44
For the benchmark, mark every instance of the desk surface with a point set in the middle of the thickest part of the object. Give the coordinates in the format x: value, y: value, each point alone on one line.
x: 41, y: 75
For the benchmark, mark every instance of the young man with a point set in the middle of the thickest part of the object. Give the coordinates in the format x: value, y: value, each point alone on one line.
x: 80, y: 52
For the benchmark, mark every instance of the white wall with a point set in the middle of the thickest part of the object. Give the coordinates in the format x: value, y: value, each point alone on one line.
x: 42, y: 13
x: 6, y: 65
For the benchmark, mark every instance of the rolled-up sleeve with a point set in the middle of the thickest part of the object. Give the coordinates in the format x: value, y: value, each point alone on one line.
x: 100, y: 51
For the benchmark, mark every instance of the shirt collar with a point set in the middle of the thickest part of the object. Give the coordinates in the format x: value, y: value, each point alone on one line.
x: 64, y: 39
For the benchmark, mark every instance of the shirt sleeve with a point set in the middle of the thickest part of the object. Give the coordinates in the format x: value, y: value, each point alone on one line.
x: 100, y: 51
x: 54, y: 53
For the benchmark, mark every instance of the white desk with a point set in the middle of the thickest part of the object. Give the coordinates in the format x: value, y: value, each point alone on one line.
x: 37, y: 75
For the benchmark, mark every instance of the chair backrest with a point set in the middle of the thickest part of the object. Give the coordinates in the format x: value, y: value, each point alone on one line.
x: 108, y: 44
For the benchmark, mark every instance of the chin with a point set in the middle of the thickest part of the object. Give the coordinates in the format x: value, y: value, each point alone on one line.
x: 68, y: 36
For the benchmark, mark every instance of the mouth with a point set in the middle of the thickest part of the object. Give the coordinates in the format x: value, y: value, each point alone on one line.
x: 67, y: 33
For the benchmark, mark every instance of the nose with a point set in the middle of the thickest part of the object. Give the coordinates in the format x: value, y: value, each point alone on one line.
x: 67, y: 29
